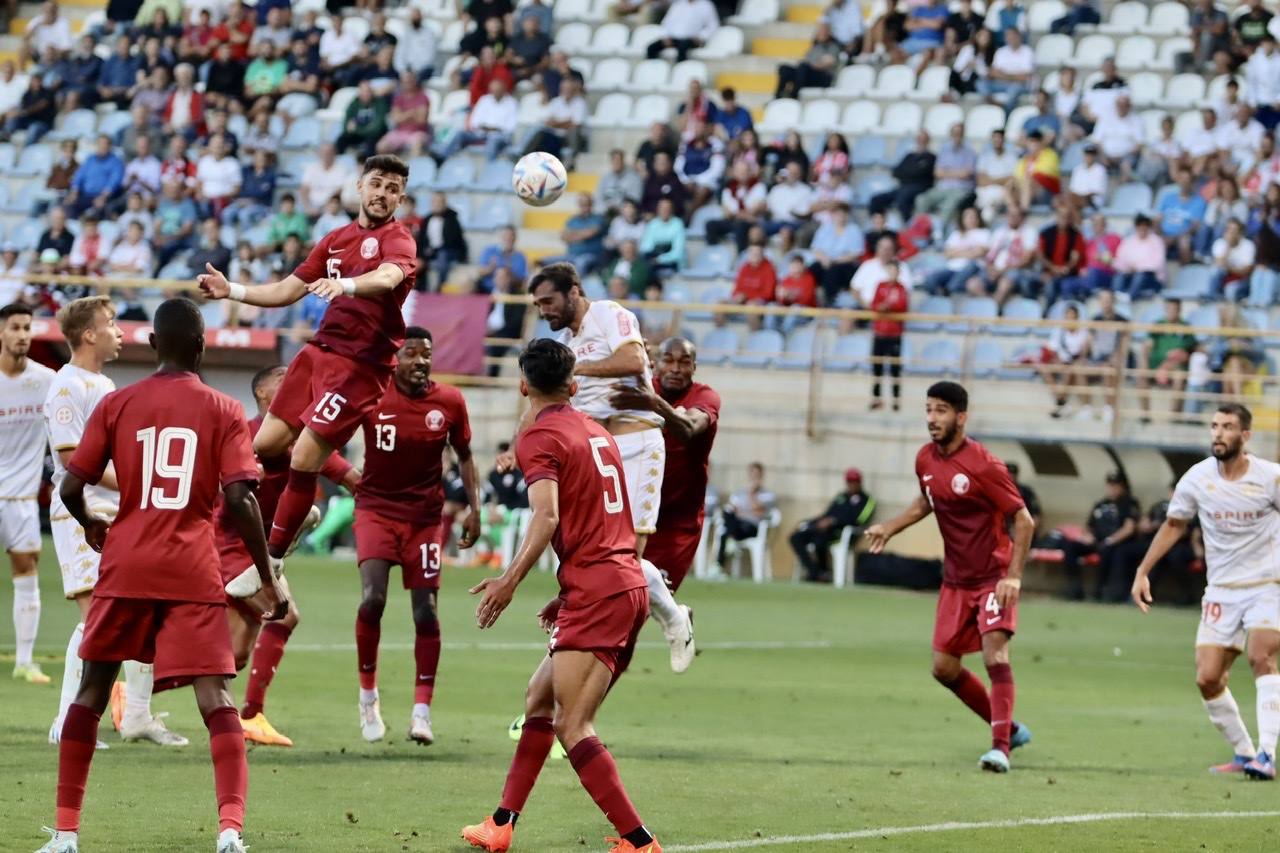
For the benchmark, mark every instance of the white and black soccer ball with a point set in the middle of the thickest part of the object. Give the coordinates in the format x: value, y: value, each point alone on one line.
x: 539, y: 178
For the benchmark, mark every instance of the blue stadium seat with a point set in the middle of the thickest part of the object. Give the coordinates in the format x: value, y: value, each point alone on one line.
x: 457, y: 173
x: 708, y: 295
x: 1013, y: 370
x: 593, y: 288
x: 8, y: 156
x: 868, y: 151
x: 939, y: 357
x: 676, y: 291
x: 801, y: 349
x: 542, y: 329
x: 988, y: 358
x: 35, y: 161
x: 1192, y: 282
x: 981, y: 307
x: 113, y: 124
x: 851, y: 352
x: 1129, y: 200
x: 1019, y: 308
x: 26, y: 234
x: 493, y: 213
x: 938, y: 305
x: 719, y: 345
x: 1206, y: 316
x: 760, y: 349
x: 698, y: 223
x: 495, y: 177
x: 303, y: 133
x: 871, y: 185
x: 422, y: 172
x: 77, y: 124
x: 711, y: 262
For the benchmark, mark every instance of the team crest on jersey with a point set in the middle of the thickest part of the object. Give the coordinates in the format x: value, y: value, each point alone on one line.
x: 435, y: 419
x: 369, y: 248
x: 63, y: 415
x: 960, y: 484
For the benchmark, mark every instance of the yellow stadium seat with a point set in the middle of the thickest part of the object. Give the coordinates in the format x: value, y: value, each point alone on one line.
x: 583, y: 182
x: 546, y: 220
x: 749, y: 82
x: 804, y: 14
x: 778, y: 48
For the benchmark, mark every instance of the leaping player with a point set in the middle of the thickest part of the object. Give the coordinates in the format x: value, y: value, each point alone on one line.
x: 366, y: 269
x: 23, y: 386
x: 1236, y: 496
x: 398, y: 521
x: 972, y: 495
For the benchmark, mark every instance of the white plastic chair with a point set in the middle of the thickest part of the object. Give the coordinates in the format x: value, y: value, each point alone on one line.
x: 683, y: 72
x: 821, y: 116
x: 895, y: 81
x: 1135, y: 52
x: 648, y: 75
x: 1053, y: 50
x: 842, y: 559
x: 573, y: 38
x: 902, y: 118
x: 933, y: 84
x: 641, y: 38
x: 647, y: 110
x: 756, y: 547
x: 780, y: 116
x: 854, y: 81
x: 1043, y: 13
x: 982, y: 120
x: 756, y: 13
x: 860, y: 117
x: 940, y: 117
x: 608, y: 40
x: 1169, y: 50
x: 1126, y: 18
x: 610, y: 75
x: 724, y: 43
x: 612, y: 110
x: 1168, y: 19
x: 1093, y: 49
x: 1186, y: 90
x: 1146, y: 88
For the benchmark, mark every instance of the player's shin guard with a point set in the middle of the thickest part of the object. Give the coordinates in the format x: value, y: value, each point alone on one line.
x: 368, y: 634
x: 599, y: 775
x: 1268, y: 687
x: 71, y: 672
x: 230, y: 768
x: 1001, y: 675
x: 267, y: 652
x: 426, y: 656
x: 970, y: 690
x: 296, y: 501
x: 139, y: 681
x: 26, y: 617
x: 1224, y: 713
x: 75, y: 753
x: 536, y: 739
x: 662, y: 605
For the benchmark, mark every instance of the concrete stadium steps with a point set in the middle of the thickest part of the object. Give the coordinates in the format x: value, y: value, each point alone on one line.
x: 804, y: 14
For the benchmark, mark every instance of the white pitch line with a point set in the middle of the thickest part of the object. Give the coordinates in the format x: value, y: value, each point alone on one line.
x: 952, y: 826
x: 744, y: 645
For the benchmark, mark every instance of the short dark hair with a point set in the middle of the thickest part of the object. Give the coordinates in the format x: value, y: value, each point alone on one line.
x: 417, y: 332
x: 261, y: 376
x: 1240, y: 411
x: 728, y: 94
x: 504, y: 446
x: 177, y: 317
x: 547, y: 365
x: 951, y: 393
x: 562, y: 276
x: 389, y: 163
x: 288, y: 197
x: 15, y: 309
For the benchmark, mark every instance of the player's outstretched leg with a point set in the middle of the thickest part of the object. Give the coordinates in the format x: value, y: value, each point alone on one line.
x: 536, y: 737
x: 426, y: 656
x: 1213, y: 663
x: 969, y: 689
x: 1263, y: 646
x: 230, y: 767
x: 676, y: 620
x: 307, y: 458
x: 137, y: 722
x: 373, y: 600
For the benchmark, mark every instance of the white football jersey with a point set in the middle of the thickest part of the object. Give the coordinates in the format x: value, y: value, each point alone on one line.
x: 22, y: 430
x: 73, y: 395
x: 606, y: 327
x: 1238, y: 518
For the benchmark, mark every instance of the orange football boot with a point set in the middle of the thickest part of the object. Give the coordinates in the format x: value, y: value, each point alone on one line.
x: 117, y: 704
x: 259, y: 730
x: 489, y: 836
x: 622, y: 845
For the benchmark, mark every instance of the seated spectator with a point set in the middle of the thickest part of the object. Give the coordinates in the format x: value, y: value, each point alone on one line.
x: 97, y: 182
x: 694, y: 112
x: 791, y: 151
x: 378, y: 38
x: 323, y: 178
x: 873, y: 270
x: 530, y: 50
x: 1099, y: 257
x: 257, y: 193
x: 13, y: 269
x: 1262, y: 82
x: 224, y: 79
x: 1250, y: 30
x: 1012, y: 70
x: 731, y: 118
x: 1179, y: 214
x: 1088, y: 185
x: 789, y: 203
x: 217, y: 176
x: 972, y: 64
x: 914, y: 173
x: 996, y: 166
x: 1111, y: 523
x: 50, y: 29
x: 382, y: 74
x: 135, y: 210
x: 1109, y: 347
x: 954, y: 174
x: 925, y: 28
x: 618, y: 185
x: 812, y: 539
x: 339, y: 47
x: 798, y: 286
x: 756, y: 282
x: 554, y: 75
x: 334, y: 217
x: 746, y: 509
x: 818, y: 68
x: 1234, y: 256
x: 845, y: 19
x: 417, y: 48
x: 660, y: 139
x: 410, y: 123
x: 1060, y: 251
x: 1178, y: 577
x: 746, y: 148
x: 1140, y: 260
x: 506, y: 319
x: 1045, y: 121
x: 64, y: 167
x: 118, y: 75
x: 1011, y: 258
x: 12, y: 88
x: 131, y: 257
x: 441, y: 243
x: 264, y: 76
x: 583, y: 236
x: 502, y: 254
x: 1167, y: 354
x: 1005, y: 16
x: 561, y: 133
x: 79, y: 72
x: 276, y: 32
x: 662, y: 184
x: 1157, y: 158
x: 700, y: 167
x: 1037, y: 178
x: 686, y: 25
x: 663, y: 241
x: 90, y: 250
x: 538, y: 9
x: 288, y: 220
x: 964, y: 250
x: 175, y: 222
x: 53, y: 250
x: 627, y: 225
x: 490, y: 34
x: 1234, y: 357
x: 631, y: 268
x: 34, y: 115
x: 837, y: 247
x: 208, y: 249
x: 1201, y: 144
x: 1240, y: 138
x: 491, y: 122
x: 1068, y: 347
x: 833, y: 190
x: 1078, y: 12
x: 1120, y: 137
x: 657, y: 324
x: 1225, y: 205
x: 365, y: 122
x: 890, y: 298
x: 834, y: 158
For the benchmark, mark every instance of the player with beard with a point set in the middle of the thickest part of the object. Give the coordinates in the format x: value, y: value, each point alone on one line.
x: 973, y: 496
x: 1236, y: 496
x: 366, y: 269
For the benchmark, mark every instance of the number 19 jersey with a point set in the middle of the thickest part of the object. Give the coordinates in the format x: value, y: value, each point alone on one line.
x: 175, y: 443
x: 595, y: 540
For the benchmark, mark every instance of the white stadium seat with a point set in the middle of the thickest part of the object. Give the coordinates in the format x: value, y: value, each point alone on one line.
x: 820, y: 116
x: 648, y: 75
x: 1017, y: 118
x: 1135, y: 52
x: 648, y: 109
x: 1169, y: 50
x: 612, y: 110
x: 902, y: 118
x: 860, y: 117
x: 1217, y: 88
x: 933, y: 84
x: 610, y: 75
x: 1186, y: 90
x: 573, y: 38
x: 532, y: 109
x: 1145, y: 88
x: 1093, y: 49
x: 1126, y: 18
x: 894, y: 81
x: 683, y: 72
x: 756, y: 13
x: 940, y: 117
x: 641, y: 38
x: 854, y: 81
x: 608, y: 40
x: 572, y: 10
x: 780, y: 116
x: 1043, y: 13
x: 981, y: 120
x: 1151, y: 122
x: 1168, y: 19
x: 1053, y: 50
x: 724, y: 43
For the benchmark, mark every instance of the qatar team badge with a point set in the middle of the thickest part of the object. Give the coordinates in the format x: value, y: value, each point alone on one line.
x: 369, y: 248
x: 960, y: 484
x: 435, y: 419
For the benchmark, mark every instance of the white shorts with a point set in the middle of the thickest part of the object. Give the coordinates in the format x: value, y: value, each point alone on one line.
x: 644, y: 458
x: 79, y: 562
x: 19, y: 526
x: 1227, y: 615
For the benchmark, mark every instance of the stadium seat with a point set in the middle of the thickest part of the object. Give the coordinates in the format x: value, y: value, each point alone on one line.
x: 648, y: 75
x: 982, y: 120
x: 1126, y: 18
x: 593, y: 288
x: 302, y: 133
x: 698, y: 222
x: 1191, y: 282
x: 755, y: 13
x: 297, y: 104
x: 859, y: 118
x: 112, y: 124
x: 1217, y: 87
x: 356, y: 26
x: 1186, y: 90
x: 1017, y: 118
x: 422, y: 173
x: 933, y: 83
x: 34, y: 161
x: 1091, y: 50
x: 902, y: 118
x: 612, y: 110
x: 26, y: 234
x: 971, y: 308
x: 608, y: 40
x: 820, y: 116
x: 802, y: 349
x: 710, y: 294
x: 1146, y: 88
x: 8, y: 156
x: 683, y: 72
x: 1018, y: 308
x: 930, y: 305
x: 456, y: 173
x: 988, y: 358
x: 1166, y: 60
x: 495, y: 177
x: 676, y: 291
x: 718, y: 345
x: 853, y: 81
x: 77, y: 124
x: 760, y: 349
x: 757, y: 548
x: 1168, y: 19
x: 641, y: 38
x: 647, y: 110
x: 780, y: 116
x: 842, y: 559
x: 1136, y: 52
x: 711, y: 262
x: 572, y: 10
x: 940, y: 117
x: 894, y: 81
x: 573, y: 38
x: 1129, y: 200
x: 1053, y: 51
x: 1042, y: 13
x: 869, y: 185
x: 726, y: 42
x: 867, y: 150
x: 851, y: 352
x: 1016, y: 366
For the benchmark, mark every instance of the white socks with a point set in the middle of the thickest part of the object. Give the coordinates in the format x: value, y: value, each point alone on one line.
x: 1268, y: 713
x: 421, y: 709
x: 138, y: 681
x: 1224, y: 713
x: 367, y: 696
x: 26, y: 616
x: 662, y: 605
x: 71, y: 673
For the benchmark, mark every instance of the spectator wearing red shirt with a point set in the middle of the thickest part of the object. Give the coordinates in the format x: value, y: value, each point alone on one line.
x: 799, y: 286
x: 1060, y: 251
x: 1099, y: 263
x: 757, y: 280
x: 487, y: 71
x: 886, y: 342
x: 236, y: 31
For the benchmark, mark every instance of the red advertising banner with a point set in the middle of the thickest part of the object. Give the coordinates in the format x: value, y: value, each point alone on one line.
x: 457, y: 326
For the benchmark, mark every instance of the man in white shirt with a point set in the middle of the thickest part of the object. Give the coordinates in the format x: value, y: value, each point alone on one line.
x: 687, y: 24
x: 844, y: 17
x: 131, y: 257
x: 48, y: 30
x: 1262, y: 82
x: 564, y: 117
x: 789, y: 202
x: 218, y: 175
x: 1120, y: 137
x: 1241, y: 138
x: 1233, y: 258
x: 416, y: 47
x: 996, y: 166
x: 491, y: 123
x: 872, y: 271
x: 1236, y: 496
x: 1202, y: 143
x: 12, y: 87
x: 1011, y: 71
x: 1088, y: 186
x: 338, y: 45
x: 323, y: 179
x: 1012, y: 255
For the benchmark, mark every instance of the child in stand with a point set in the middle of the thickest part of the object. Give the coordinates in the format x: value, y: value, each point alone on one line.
x: 886, y: 343
x: 798, y: 286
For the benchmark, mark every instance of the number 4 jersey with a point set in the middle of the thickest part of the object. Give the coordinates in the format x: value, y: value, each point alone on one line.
x: 595, y: 540
x: 176, y: 443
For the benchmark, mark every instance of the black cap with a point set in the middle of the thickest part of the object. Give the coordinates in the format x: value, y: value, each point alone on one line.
x: 1091, y: 148
x: 1116, y: 477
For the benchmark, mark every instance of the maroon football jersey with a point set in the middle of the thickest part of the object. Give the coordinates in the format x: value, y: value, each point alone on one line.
x: 404, y: 439
x: 972, y: 495
x: 175, y: 443
x: 595, y: 540
x: 357, y: 327
x: 684, y: 485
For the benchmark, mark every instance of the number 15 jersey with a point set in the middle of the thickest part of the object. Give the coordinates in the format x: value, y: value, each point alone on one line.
x: 595, y: 540
x: 175, y: 443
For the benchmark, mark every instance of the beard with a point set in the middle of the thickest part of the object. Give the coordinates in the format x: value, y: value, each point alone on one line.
x: 948, y: 434
x: 1227, y: 452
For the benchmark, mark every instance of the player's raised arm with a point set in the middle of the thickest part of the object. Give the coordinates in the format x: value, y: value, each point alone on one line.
x: 627, y: 360
x: 878, y: 535
x: 544, y: 501
x: 1170, y: 532
x: 286, y: 291
x: 382, y: 280
x: 242, y: 507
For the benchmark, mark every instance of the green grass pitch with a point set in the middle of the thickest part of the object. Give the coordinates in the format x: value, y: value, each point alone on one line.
x: 810, y: 712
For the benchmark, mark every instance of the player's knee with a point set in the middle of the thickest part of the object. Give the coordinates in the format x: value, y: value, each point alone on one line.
x: 425, y: 623
x: 1211, y: 684
x: 372, y: 603
x: 569, y: 730
x: 1262, y: 662
x: 945, y: 672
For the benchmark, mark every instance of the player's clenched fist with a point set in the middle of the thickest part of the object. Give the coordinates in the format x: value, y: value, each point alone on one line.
x: 213, y: 284
x: 497, y: 595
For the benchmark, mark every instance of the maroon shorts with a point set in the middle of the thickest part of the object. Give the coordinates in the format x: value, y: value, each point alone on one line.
x: 183, y: 639
x: 673, y: 550
x: 414, y: 547
x: 329, y: 394
x: 964, y: 615
x: 607, y: 628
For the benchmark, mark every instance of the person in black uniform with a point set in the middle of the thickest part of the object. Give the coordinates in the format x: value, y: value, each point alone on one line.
x: 812, y: 539
x: 1113, y: 521
x: 1179, y: 577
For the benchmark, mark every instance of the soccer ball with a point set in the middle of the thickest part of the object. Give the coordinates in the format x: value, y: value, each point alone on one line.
x: 539, y: 178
